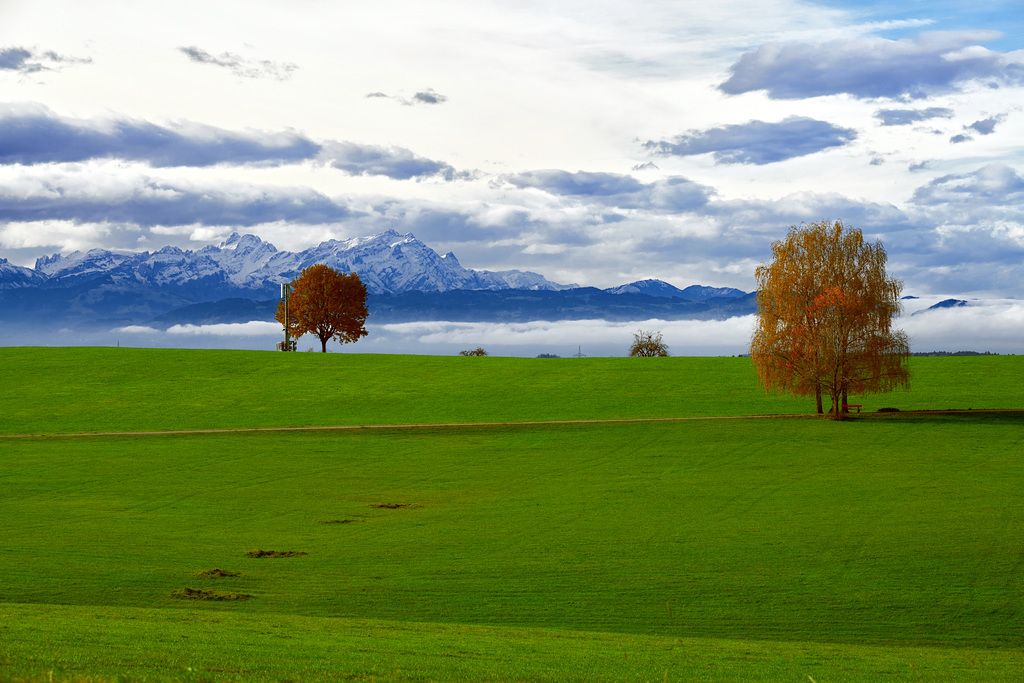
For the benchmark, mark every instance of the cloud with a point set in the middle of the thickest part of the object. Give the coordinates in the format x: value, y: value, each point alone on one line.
x: 622, y: 191
x: 988, y: 325
x: 983, y: 325
x: 241, y: 66
x: 18, y: 59
x: 904, y: 117
x: 982, y: 127
x: 590, y: 184
x: 972, y: 231
x: 393, y: 162
x: 869, y: 67
x: 88, y: 197
x: 593, y: 337
x: 428, y: 96
x: 757, y: 142
x: 249, y: 329
x: 992, y: 186
x: 987, y: 126
x: 35, y: 135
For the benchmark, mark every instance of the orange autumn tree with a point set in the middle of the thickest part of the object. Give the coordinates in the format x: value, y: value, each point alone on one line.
x: 824, y: 321
x: 327, y: 304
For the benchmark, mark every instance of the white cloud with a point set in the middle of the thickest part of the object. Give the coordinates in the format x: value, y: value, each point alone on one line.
x: 872, y: 67
x: 991, y: 325
x: 249, y: 329
x: 593, y: 337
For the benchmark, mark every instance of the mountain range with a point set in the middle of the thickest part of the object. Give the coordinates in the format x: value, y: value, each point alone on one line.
x: 240, y: 279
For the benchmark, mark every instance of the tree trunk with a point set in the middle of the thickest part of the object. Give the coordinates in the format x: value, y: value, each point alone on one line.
x: 817, y: 396
x: 837, y: 407
x: 845, y: 403
x: 323, y: 344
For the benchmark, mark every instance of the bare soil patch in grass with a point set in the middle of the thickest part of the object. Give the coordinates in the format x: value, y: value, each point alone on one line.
x: 274, y: 553
x: 216, y: 574
x: 395, y: 506
x: 341, y: 521
x: 206, y: 594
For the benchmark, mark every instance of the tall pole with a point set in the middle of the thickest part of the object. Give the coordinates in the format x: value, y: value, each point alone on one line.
x: 286, y: 290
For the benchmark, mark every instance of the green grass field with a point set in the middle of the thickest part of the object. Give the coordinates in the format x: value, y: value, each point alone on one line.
x: 888, y: 547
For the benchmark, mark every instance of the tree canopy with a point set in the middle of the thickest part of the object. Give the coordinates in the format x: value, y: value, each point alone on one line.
x: 326, y: 303
x: 824, y: 322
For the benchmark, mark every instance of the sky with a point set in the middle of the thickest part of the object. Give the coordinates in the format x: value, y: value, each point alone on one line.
x: 595, y: 142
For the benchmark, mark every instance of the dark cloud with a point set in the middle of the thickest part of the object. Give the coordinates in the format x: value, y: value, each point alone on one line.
x: 38, y: 136
x: 393, y: 162
x: 15, y: 58
x: 870, y: 67
x: 586, y: 183
x: 905, y: 117
x: 620, y: 191
x: 987, y: 126
x: 154, y: 202
x: 992, y: 187
x: 18, y: 59
x: 241, y: 66
x: 429, y: 97
x: 757, y: 142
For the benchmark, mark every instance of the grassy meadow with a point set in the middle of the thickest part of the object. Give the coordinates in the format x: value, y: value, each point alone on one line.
x: 888, y: 547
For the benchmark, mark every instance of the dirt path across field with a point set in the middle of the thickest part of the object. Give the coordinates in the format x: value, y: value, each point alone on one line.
x: 439, y: 425
x: 464, y: 425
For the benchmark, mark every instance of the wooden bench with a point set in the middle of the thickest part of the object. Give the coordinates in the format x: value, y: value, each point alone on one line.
x: 847, y: 407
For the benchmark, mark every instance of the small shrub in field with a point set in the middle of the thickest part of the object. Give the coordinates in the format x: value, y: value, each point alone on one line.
x: 478, y: 351
x: 648, y: 345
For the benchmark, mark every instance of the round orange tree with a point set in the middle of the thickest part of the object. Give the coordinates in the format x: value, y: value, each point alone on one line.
x: 824, y: 319
x: 327, y: 304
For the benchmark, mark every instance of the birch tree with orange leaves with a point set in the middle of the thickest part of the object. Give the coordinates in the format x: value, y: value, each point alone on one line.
x: 326, y: 303
x: 825, y: 313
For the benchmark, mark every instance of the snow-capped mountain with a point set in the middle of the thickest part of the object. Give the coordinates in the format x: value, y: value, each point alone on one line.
x: 240, y: 278
x: 16, y: 277
x: 388, y: 263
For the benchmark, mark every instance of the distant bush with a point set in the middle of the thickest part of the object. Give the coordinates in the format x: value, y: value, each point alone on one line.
x: 548, y: 355
x: 478, y: 351
x: 888, y: 410
x: 648, y: 345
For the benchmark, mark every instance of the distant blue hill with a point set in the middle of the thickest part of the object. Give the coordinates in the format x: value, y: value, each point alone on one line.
x: 516, y: 305
x: 663, y: 289
x: 946, y: 303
